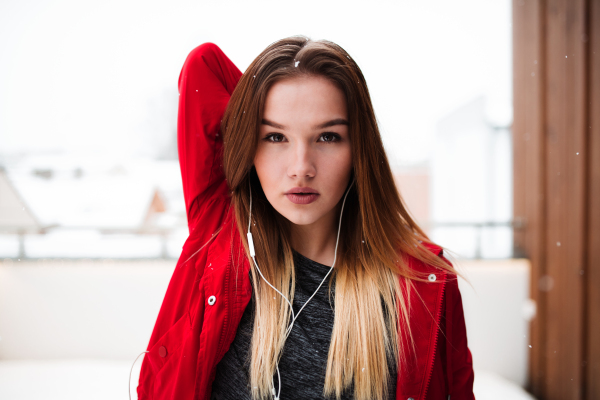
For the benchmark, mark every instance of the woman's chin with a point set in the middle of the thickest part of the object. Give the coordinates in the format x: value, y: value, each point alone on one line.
x: 301, y: 218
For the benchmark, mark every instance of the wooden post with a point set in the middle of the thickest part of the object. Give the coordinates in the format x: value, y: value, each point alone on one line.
x: 591, y: 359
x: 529, y: 158
x: 557, y: 188
x: 565, y: 190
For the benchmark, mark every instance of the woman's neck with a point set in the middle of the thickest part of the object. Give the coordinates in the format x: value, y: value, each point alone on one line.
x: 317, y: 240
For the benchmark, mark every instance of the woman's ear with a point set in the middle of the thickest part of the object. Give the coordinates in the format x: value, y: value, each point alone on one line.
x: 254, y: 177
x: 352, y: 179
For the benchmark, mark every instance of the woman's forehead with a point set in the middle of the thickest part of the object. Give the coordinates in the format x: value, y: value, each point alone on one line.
x: 309, y: 101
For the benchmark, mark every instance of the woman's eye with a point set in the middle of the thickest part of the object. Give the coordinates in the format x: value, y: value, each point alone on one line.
x: 330, y: 137
x: 274, y: 137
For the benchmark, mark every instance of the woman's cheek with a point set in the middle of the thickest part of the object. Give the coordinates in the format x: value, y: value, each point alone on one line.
x: 269, y: 167
x: 275, y: 164
x: 340, y: 162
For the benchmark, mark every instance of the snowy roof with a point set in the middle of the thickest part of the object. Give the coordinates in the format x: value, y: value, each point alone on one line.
x: 71, y: 192
x: 14, y: 212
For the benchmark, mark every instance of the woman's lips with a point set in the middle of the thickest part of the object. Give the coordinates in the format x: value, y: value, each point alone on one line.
x: 298, y: 198
x: 302, y: 195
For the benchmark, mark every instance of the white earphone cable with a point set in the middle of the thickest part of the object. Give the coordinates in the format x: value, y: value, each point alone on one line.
x: 252, y: 254
x: 131, y: 371
x: 294, y: 316
x: 330, y: 269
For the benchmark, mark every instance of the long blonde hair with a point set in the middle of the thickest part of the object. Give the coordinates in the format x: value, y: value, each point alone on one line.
x: 377, y: 234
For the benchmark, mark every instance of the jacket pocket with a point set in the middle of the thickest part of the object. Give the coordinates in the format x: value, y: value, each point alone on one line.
x: 167, y: 348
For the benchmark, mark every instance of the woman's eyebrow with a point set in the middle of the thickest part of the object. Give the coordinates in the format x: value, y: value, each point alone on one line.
x: 333, y: 122
x: 273, y: 124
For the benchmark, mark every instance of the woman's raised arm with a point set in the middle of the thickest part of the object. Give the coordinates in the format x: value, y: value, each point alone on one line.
x: 206, y: 82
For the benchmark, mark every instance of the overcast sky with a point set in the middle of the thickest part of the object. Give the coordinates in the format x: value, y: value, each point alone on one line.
x: 101, y: 77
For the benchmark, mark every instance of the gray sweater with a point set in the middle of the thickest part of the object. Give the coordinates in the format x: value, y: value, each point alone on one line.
x: 304, y: 359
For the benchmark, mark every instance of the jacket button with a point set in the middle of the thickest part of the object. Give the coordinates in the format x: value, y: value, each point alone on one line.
x: 162, y: 351
x: 431, y: 278
x: 212, y: 300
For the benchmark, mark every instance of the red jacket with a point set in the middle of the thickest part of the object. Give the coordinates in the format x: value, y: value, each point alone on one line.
x: 191, y: 334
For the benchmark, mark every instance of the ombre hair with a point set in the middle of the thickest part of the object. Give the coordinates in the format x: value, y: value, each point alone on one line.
x: 377, y: 234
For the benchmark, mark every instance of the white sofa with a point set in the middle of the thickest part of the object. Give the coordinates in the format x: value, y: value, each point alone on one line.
x: 72, y: 329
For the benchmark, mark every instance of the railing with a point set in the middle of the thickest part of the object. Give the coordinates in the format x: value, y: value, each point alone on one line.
x: 516, y: 224
x: 164, y: 233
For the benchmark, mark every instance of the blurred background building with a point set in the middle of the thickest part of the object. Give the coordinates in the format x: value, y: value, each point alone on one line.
x: 92, y: 217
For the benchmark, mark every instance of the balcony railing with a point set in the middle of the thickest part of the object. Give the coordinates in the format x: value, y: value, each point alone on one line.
x: 165, y: 233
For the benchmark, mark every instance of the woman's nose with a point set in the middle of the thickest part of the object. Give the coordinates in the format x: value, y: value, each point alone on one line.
x: 302, y: 163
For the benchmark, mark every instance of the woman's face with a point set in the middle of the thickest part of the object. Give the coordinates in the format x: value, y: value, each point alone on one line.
x: 304, y: 143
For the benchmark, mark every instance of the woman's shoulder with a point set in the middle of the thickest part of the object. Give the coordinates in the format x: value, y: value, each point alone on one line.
x: 434, y: 248
x: 419, y: 265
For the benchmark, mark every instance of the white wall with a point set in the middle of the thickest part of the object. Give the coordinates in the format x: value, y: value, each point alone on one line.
x: 79, y: 309
x: 496, y: 315
x: 106, y: 311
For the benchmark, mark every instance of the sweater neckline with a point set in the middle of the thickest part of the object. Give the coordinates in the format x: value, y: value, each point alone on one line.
x: 308, y: 260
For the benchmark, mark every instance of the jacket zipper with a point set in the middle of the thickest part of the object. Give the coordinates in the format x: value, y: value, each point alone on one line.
x: 435, y: 342
x: 225, y: 322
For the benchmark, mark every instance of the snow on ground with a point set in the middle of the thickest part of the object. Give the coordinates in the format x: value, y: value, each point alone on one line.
x: 108, y: 380
x: 490, y: 386
x: 66, y: 379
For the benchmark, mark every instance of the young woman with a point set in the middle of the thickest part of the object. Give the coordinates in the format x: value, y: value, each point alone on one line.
x: 303, y: 276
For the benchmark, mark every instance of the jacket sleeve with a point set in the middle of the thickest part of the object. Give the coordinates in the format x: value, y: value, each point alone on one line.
x: 206, y: 83
x: 458, y: 356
